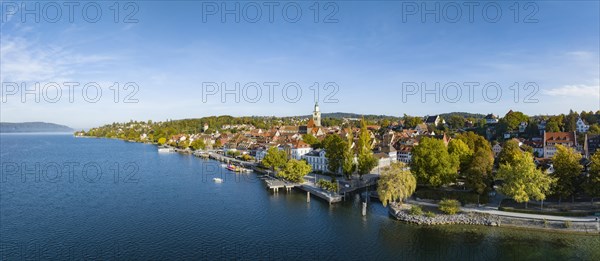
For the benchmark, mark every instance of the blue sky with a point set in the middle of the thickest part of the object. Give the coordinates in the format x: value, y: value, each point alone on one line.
x: 370, y: 53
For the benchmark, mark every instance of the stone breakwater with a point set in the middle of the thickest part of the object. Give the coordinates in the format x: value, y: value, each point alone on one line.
x: 473, y: 218
x: 401, y: 213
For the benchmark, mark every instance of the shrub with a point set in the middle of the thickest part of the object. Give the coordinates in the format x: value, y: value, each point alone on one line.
x: 430, y: 214
x: 449, y: 206
x: 415, y: 210
x: 545, y: 223
x: 328, y: 185
x: 568, y: 224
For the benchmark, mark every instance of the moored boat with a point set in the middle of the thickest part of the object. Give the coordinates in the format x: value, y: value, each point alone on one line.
x: 165, y: 149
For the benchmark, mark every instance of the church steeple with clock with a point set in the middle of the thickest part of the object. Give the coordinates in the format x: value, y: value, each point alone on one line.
x: 317, y: 115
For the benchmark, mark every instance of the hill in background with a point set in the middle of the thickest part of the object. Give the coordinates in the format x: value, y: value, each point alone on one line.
x: 9, y: 127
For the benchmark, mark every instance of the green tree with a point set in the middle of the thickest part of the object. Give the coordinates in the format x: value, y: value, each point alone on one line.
x: 432, y: 164
x: 366, y: 160
x: 295, y: 170
x: 566, y: 169
x: 522, y: 180
x: 552, y: 126
x: 275, y: 159
x: 335, y: 148
x: 511, y: 121
x: 183, y: 144
x: 385, y: 123
x: 348, y: 167
x: 570, y: 121
x: 456, y: 122
x: 478, y: 173
x: 510, y: 151
x: 474, y: 141
x: 461, y: 151
x: 594, y: 129
x: 310, y: 139
x: 411, y: 122
x: 198, y: 144
x: 396, y: 184
x: 532, y: 130
x: 592, y: 186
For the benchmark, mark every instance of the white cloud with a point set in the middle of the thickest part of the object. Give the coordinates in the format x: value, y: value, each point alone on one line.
x: 29, y: 61
x: 582, y: 55
x: 575, y: 91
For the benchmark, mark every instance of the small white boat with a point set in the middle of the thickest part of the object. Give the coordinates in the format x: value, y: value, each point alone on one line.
x: 218, y: 180
x: 245, y: 170
x: 165, y: 149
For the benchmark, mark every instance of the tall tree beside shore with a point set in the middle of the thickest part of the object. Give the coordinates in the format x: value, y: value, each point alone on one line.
x: 432, y: 164
x: 348, y: 167
x: 396, y: 184
x: 523, y: 181
x: 592, y: 187
x: 478, y: 173
x: 366, y: 160
x: 295, y: 170
x: 275, y: 159
x: 198, y: 144
x: 566, y: 169
x: 334, y: 152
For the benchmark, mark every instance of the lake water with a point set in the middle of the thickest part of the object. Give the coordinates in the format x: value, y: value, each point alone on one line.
x: 62, y: 198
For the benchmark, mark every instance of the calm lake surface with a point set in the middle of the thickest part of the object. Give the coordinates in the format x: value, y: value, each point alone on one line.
x: 62, y: 198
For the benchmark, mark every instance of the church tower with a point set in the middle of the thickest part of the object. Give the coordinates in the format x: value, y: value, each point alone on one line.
x: 317, y: 115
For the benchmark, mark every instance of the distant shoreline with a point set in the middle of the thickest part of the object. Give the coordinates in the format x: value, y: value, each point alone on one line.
x: 33, y: 127
x: 36, y: 133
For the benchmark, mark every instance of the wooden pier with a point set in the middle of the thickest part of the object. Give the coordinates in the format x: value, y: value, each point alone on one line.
x: 276, y: 184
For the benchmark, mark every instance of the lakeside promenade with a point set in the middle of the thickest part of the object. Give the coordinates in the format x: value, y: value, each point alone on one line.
x: 491, y: 216
x: 484, y: 215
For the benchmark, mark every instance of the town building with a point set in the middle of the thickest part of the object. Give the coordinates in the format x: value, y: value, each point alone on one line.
x: 491, y: 119
x: 317, y: 160
x: 496, y: 149
x: 582, y: 126
x: 434, y: 120
x: 297, y: 149
x: 551, y: 139
x: 405, y: 153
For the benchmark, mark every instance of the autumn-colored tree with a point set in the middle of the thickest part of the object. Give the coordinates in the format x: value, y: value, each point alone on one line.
x: 396, y: 184
x: 432, y: 164
x: 566, y: 169
x: 592, y: 186
x: 522, y: 181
